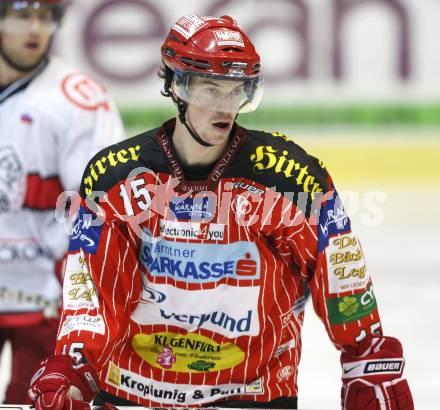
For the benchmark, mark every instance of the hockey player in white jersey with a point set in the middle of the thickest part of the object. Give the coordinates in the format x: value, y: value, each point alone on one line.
x: 52, y: 120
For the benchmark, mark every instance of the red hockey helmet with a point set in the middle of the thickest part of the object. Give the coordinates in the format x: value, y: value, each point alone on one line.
x: 214, y: 48
x: 210, y: 45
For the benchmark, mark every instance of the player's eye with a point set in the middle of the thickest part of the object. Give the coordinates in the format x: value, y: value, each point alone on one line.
x: 23, y: 15
x: 210, y: 92
x: 238, y: 91
x: 46, y: 17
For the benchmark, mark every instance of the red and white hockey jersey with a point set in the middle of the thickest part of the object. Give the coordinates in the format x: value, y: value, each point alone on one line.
x: 185, y: 292
x: 51, y: 124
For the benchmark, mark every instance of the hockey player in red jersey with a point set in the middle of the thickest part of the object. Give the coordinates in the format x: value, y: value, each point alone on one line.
x: 53, y: 119
x: 184, y: 285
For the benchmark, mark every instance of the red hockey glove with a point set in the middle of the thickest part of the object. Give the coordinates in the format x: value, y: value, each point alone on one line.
x: 62, y: 384
x: 372, y: 376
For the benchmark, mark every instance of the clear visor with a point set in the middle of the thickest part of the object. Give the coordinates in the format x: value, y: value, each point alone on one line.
x: 23, y: 15
x: 218, y: 93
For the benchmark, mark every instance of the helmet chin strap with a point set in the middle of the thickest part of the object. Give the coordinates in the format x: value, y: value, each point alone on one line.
x: 182, y: 107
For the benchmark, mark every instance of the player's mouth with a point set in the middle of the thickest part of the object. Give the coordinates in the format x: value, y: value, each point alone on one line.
x: 222, y: 125
x: 32, y: 45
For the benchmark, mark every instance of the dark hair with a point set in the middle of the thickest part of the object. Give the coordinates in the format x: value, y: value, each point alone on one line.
x: 167, y: 75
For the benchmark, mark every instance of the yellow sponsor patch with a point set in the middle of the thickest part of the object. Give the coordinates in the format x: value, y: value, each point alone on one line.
x: 266, y: 157
x: 114, y: 374
x: 101, y: 165
x: 191, y: 353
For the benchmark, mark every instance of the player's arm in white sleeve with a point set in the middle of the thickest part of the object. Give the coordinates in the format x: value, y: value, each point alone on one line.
x: 79, y: 119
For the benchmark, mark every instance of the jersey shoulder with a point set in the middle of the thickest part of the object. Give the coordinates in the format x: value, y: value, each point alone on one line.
x: 276, y: 161
x: 63, y: 87
x: 115, y: 162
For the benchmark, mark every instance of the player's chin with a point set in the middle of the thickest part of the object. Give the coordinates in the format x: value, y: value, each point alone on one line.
x: 34, y: 53
x: 31, y: 62
x: 217, y: 138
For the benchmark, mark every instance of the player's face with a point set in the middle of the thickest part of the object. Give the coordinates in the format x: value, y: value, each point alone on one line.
x: 213, y: 107
x: 25, y: 36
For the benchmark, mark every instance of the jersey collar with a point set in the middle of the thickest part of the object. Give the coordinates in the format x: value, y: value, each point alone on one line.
x: 209, y: 184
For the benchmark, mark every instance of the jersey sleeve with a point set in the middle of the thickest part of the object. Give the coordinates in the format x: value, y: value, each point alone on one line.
x: 340, y: 285
x: 102, y: 282
x: 321, y: 245
x: 73, y: 132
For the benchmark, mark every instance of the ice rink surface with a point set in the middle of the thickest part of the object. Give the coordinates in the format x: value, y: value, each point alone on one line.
x: 402, y: 253
x: 402, y: 249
